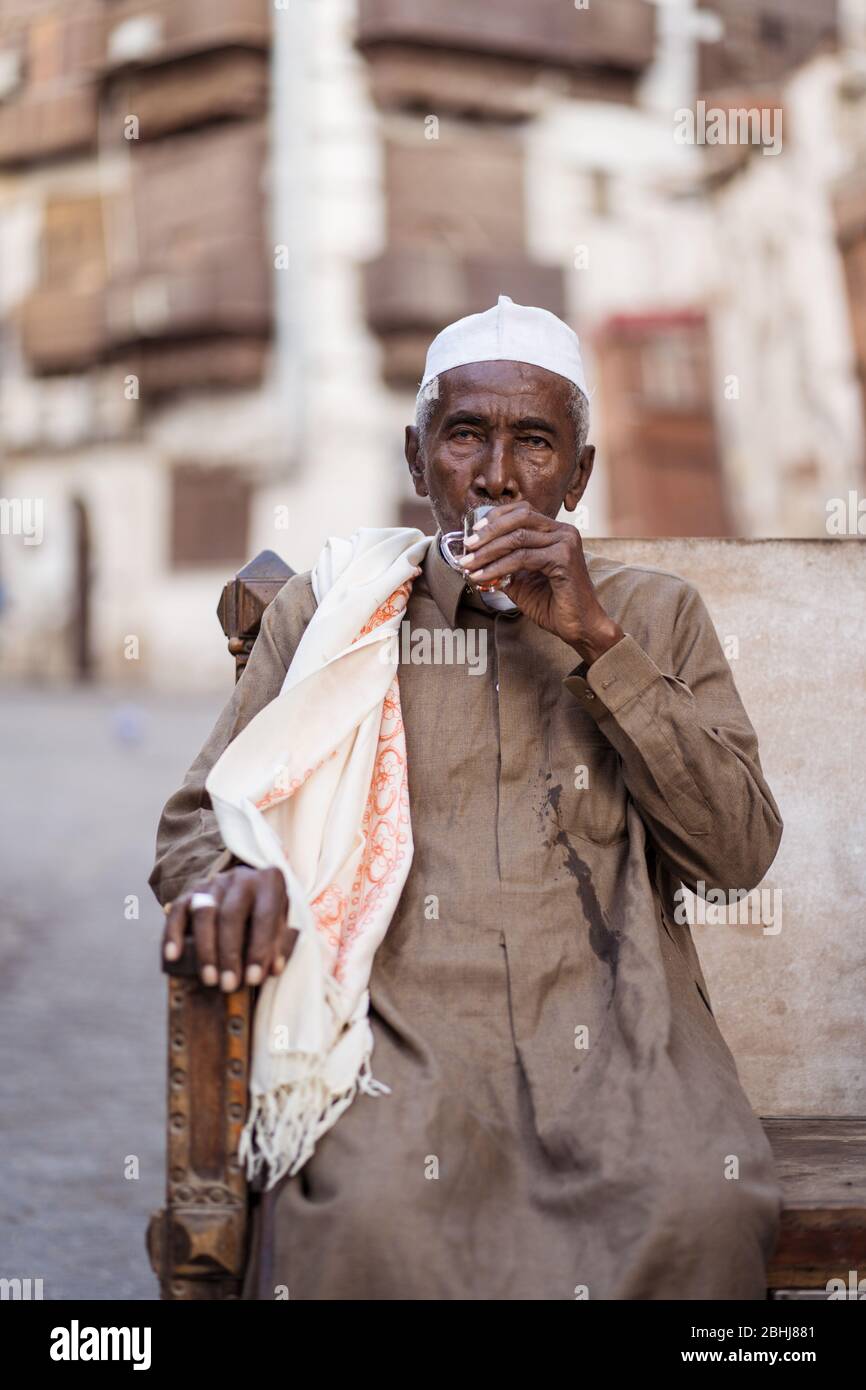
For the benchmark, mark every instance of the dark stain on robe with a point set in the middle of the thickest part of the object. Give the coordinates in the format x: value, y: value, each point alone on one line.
x: 603, y: 940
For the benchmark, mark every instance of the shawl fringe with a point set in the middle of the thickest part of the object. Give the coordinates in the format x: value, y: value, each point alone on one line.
x: 285, y: 1124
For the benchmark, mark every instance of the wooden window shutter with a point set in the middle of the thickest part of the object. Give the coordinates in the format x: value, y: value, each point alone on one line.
x: 209, y: 515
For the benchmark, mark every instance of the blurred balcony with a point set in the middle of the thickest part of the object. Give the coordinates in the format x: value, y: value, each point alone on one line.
x: 413, y: 292
x: 63, y: 330
x: 175, y: 63
x: 172, y: 275
x: 182, y: 95
x: 49, y: 100
x: 660, y: 449
x: 198, y: 272
x: 62, y: 322
x: 480, y: 58
x: 181, y: 65
x: 763, y: 41
x: 159, y: 31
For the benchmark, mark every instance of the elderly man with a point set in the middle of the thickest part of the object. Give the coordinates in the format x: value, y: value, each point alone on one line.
x: 467, y: 876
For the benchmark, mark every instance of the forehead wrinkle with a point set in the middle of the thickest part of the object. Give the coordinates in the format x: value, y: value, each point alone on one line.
x: 525, y: 400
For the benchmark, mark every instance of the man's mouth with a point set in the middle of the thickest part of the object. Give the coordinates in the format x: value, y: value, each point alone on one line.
x: 479, y: 506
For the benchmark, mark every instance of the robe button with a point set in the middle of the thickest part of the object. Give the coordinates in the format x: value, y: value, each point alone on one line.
x: 590, y: 695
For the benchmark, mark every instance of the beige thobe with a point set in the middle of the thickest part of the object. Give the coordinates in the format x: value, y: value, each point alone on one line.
x: 565, y: 1118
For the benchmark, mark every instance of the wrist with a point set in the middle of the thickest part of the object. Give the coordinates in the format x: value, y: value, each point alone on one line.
x: 593, y: 644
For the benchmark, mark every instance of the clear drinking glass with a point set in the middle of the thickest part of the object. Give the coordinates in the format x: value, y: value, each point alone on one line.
x: 455, y: 546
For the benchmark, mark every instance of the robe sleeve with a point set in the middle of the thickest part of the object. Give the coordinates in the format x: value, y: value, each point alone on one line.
x: 188, y: 842
x: 689, y: 754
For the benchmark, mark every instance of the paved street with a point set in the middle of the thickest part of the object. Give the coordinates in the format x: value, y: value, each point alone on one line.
x: 82, y: 1002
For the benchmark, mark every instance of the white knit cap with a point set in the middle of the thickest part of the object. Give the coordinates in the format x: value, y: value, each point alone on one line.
x: 508, y: 333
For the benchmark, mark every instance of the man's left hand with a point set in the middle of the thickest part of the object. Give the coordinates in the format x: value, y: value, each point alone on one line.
x: 549, y: 580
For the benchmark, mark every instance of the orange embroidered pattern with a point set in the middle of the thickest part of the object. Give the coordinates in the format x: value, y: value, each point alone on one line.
x: 384, y: 826
x: 279, y: 792
x: 389, y: 609
x: 385, y: 822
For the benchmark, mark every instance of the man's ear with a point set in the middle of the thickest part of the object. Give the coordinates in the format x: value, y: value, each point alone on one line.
x: 580, y: 477
x: 415, y: 461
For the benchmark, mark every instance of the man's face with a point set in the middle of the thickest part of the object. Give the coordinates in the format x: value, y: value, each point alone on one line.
x: 499, y: 432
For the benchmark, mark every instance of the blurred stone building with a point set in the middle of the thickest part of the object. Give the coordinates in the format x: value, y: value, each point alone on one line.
x: 229, y: 228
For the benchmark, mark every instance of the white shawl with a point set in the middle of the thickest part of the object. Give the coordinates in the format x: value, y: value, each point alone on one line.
x: 316, y: 784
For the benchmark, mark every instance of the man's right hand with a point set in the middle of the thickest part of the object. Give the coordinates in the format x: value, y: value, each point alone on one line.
x: 245, y: 937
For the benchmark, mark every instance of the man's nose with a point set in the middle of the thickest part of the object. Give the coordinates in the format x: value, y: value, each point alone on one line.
x: 497, y: 479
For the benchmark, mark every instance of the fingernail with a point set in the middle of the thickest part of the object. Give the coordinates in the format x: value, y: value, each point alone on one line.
x: 209, y: 975
x: 228, y: 981
x: 171, y: 951
x: 280, y: 964
x: 254, y: 974
x: 479, y: 524
x: 473, y: 539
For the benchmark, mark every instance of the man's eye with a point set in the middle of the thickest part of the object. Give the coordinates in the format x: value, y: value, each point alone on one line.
x: 464, y: 434
x: 536, y: 441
